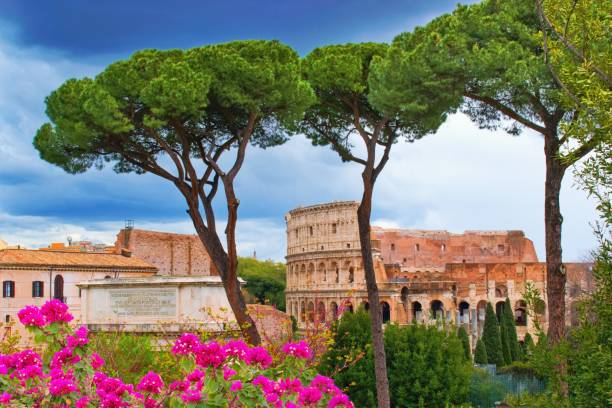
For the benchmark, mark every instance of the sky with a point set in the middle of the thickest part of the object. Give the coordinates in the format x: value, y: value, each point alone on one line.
x: 461, y: 178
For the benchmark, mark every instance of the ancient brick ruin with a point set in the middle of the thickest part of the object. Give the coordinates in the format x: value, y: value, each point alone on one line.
x: 424, y: 276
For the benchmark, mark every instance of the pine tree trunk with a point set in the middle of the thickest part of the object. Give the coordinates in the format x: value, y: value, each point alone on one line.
x: 555, y: 273
x: 226, y: 264
x: 380, y: 362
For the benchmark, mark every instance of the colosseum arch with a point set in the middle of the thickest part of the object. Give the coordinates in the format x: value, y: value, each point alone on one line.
x: 303, y: 312
x: 310, y: 312
x: 321, y: 272
x: 335, y: 271
x: 302, y: 278
x: 404, y: 294
x: 385, y: 310
x: 520, y: 313
x: 334, y: 310
x: 437, y: 309
x: 321, y: 312
x: 351, y: 274
x: 501, y: 291
x: 499, y: 309
x: 481, y: 307
x: 417, y: 311
x: 464, y: 312
x: 365, y: 305
x: 311, y: 270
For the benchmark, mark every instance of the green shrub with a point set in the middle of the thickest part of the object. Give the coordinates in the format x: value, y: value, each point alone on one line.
x: 426, y: 366
x: 511, y: 327
x: 349, y: 359
x: 465, y: 341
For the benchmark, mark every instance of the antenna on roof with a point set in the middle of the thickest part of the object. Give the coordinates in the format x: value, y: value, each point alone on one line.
x: 129, y: 224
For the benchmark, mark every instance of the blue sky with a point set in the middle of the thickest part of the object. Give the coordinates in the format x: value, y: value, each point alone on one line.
x: 461, y: 178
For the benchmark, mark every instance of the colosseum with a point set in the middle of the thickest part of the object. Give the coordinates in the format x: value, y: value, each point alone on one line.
x: 423, y: 276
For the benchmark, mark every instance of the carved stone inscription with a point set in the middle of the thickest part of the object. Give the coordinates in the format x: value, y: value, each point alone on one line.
x: 143, y: 302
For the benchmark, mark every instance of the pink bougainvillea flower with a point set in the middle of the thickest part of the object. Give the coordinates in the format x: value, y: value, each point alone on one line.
x: 56, y: 311
x: 340, y: 400
x: 63, y: 357
x: 31, y: 316
x: 82, y: 402
x: 5, y: 398
x: 324, y: 384
x: 210, y: 354
x: 195, y: 376
x: 79, y: 339
x: 236, y: 386
x: 237, y: 348
x: 187, y: 343
x: 96, y: 361
x: 191, y: 396
x: 228, y: 373
x: 151, y: 382
x: 61, y: 386
x: 290, y: 386
x: 299, y: 349
x: 178, y: 386
x: 259, y: 355
x: 309, y: 396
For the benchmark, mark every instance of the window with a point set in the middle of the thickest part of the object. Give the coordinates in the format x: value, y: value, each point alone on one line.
x: 500, y: 249
x: 443, y: 247
x: 393, y: 247
x: 417, y: 247
x: 7, y: 319
x: 296, y: 232
x: 311, y: 231
x: 8, y: 289
x: 348, y: 245
x: 351, y: 277
x: 38, y: 289
x: 405, y: 259
x: 334, y: 228
x: 58, y: 288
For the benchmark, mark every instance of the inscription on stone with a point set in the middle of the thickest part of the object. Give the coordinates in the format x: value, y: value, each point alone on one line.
x: 143, y: 302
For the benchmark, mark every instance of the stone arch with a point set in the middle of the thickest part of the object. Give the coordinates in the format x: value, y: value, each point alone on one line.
x: 520, y: 313
x: 310, y: 312
x: 501, y: 291
x: 302, y: 278
x: 321, y: 312
x: 303, y: 312
x: 437, y: 309
x: 499, y: 309
x: 385, y: 311
x: 336, y: 271
x: 333, y: 306
x: 481, y: 307
x: 404, y: 294
x: 351, y: 274
x: 365, y: 305
x: 417, y: 311
x: 464, y: 312
x: 321, y: 272
x: 311, y: 271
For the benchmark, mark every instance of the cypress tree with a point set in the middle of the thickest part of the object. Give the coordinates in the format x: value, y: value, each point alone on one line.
x: 511, y: 327
x: 491, y: 338
x: 465, y: 341
x: 480, y: 354
x: 505, y: 341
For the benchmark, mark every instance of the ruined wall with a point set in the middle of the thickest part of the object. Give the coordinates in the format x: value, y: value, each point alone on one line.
x: 414, y: 249
x: 172, y: 254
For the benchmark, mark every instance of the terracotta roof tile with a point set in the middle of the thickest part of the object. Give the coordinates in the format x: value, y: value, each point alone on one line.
x: 26, y: 257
